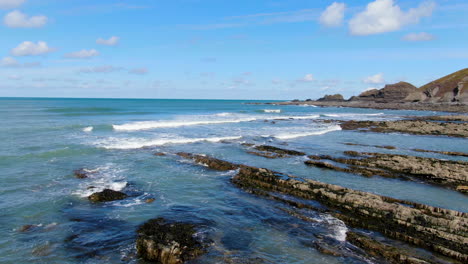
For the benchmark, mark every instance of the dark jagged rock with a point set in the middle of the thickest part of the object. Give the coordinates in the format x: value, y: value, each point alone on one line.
x: 417, y: 127
x: 334, y: 97
x: 212, y: 163
x: 375, y: 146
x: 440, y: 230
x: 107, y: 195
x: 445, y: 173
x: 167, y: 242
x: 279, y: 151
x: 160, y: 154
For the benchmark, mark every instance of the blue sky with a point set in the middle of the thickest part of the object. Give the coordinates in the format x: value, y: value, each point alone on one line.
x: 216, y: 49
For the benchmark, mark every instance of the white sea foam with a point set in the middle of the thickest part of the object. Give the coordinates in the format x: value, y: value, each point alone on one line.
x: 306, y: 134
x: 352, y: 114
x: 272, y: 110
x: 146, y: 125
x: 338, y: 227
x: 307, y: 105
x: 136, y: 143
x: 107, y: 177
x: 88, y: 129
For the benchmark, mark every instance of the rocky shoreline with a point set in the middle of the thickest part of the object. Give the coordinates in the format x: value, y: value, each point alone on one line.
x: 439, y: 230
x: 440, y: 107
x: 411, y: 126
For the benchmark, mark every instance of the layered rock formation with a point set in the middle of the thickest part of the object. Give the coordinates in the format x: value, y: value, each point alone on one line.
x: 447, y: 173
x: 440, y: 230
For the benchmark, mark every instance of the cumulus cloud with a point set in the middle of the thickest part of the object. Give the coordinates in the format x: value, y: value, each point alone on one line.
x: 100, y: 69
x: 7, y: 4
x: 308, y: 78
x: 112, y: 41
x: 423, y: 36
x: 28, y: 48
x: 385, y: 16
x: 333, y: 16
x: 82, y: 54
x: 374, y: 79
x: 16, y: 19
x: 139, y: 71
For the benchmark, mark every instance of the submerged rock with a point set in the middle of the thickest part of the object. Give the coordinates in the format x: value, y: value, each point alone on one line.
x: 167, y: 242
x: 82, y: 173
x: 107, y: 195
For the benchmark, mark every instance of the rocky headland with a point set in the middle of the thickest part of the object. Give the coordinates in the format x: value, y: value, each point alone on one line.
x: 448, y: 94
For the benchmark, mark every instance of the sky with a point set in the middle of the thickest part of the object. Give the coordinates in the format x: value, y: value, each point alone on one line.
x: 218, y: 49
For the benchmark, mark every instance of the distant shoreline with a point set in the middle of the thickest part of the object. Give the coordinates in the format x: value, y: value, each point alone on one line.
x: 440, y: 107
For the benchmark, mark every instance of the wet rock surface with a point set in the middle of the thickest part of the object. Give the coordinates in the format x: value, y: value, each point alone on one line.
x: 211, y: 163
x: 82, y: 173
x: 107, y: 195
x: 167, y: 242
x: 271, y: 152
x: 440, y: 230
x: 440, y: 172
x: 417, y: 127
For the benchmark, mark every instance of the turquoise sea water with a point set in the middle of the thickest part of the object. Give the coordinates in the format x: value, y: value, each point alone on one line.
x: 43, y: 140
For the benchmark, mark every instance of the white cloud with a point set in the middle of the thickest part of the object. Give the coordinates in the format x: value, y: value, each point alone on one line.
x: 333, y: 16
x: 28, y: 48
x: 9, y: 62
x: 112, y: 41
x: 140, y: 71
x: 82, y: 54
x: 384, y: 16
x: 308, y: 77
x: 7, y: 4
x: 374, y: 79
x: 100, y: 69
x: 16, y: 19
x: 423, y: 36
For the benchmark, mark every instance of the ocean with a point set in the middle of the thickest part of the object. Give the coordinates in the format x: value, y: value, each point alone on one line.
x: 42, y: 141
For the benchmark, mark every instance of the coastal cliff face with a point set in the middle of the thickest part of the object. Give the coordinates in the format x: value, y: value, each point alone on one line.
x: 390, y: 93
x: 450, y: 88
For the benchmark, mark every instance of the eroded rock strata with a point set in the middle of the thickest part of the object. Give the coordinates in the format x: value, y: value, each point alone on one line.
x: 446, y: 173
x: 417, y: 127
x: 440, y: 230
x: 167, y: 242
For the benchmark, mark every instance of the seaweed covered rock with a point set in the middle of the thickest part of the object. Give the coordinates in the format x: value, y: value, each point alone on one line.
x: 167, y: 242
x: 107, y: 195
